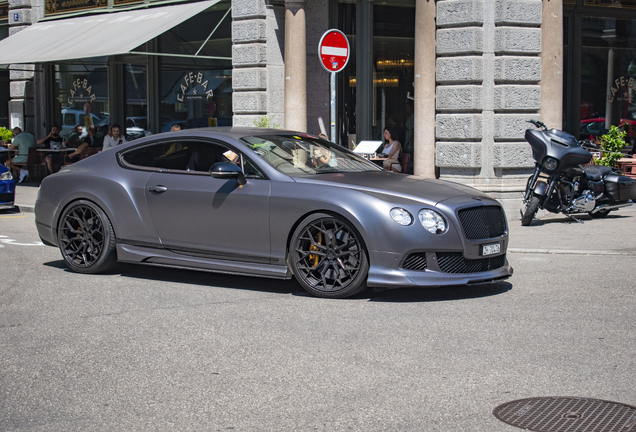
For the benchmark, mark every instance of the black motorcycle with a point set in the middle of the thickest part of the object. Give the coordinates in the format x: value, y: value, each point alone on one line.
x: 560, y: 184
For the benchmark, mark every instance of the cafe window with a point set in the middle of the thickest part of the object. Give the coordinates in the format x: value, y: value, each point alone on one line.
x: 81, y: 96
x: 136, y: 101
x: 197, y: 92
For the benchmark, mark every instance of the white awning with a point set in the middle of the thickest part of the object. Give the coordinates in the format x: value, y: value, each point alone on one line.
x: 94, y: 36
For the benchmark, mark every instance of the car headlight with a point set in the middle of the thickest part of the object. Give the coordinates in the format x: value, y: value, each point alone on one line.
x: 433, y: 221
x: 6, y: 176
x: 401, y: 216
x: 550, y: 164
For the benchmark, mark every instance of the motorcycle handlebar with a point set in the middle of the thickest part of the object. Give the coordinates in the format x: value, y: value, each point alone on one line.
x: 538, y: 124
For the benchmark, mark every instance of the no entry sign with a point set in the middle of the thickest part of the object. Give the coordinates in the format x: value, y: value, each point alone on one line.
x: 333, y: 50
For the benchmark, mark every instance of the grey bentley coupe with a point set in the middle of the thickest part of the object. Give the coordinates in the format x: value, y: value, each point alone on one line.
x: 270, y: 203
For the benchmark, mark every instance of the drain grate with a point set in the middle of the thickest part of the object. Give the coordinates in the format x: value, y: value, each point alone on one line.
x: 568, y: 414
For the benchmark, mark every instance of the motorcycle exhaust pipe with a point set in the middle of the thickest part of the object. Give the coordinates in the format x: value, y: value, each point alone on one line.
x: 611, y: 207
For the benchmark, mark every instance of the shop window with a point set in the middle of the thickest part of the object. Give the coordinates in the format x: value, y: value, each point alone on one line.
x: 81, y: 96
x: 608, y: 75
x: 195, y: 89
x: 136, y: 101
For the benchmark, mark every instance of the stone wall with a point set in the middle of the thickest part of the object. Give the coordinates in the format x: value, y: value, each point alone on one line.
x: 258, y: 74
x: 487, y: 72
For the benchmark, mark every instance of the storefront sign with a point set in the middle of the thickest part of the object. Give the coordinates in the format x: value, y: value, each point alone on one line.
x: 618, y: 90
x: 610, y: 3
x: 191, y: 89
x: 4, y: 11
x: 81, y: 88
x: 121, y: 2
x: 59, y: 6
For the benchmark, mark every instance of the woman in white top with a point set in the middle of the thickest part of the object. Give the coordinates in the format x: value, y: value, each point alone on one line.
x: 114, y: 138
x: 392, y: 148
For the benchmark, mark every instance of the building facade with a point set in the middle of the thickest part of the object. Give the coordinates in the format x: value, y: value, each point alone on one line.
x: 457, y: 79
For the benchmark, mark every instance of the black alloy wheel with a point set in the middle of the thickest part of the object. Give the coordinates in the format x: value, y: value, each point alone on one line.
x: 86, y: 238
x: 328, y: 258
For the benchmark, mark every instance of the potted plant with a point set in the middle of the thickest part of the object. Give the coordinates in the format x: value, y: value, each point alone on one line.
x: 611, y: 144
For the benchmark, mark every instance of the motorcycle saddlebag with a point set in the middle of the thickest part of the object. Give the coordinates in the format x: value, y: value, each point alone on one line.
x: 620, y: 188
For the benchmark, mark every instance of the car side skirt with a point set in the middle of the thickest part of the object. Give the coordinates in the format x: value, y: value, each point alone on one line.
x: 165, y: 258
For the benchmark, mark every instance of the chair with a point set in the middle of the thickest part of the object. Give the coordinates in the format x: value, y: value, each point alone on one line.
x: 630, y: 170
x: 90, y: 151
x: 404, y: 159
x: 34, y: 164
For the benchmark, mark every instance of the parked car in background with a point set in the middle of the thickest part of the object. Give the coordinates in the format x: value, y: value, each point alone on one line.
x: 74, y: 117
x: 596, y: 127
x: 7, y: 188
x: 136, y: 127
x: 263, y: 202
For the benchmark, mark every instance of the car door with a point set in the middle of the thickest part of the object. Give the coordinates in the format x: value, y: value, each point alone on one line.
x: 196, y: 214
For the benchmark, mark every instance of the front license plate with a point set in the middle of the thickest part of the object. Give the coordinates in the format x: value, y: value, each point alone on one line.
x: 490, y: 249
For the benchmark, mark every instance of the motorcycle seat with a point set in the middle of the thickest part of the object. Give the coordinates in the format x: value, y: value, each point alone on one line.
x: 596, y: 172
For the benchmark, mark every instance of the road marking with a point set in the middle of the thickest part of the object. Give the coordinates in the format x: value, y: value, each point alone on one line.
x: 569, y: 252
x: 11, y: 217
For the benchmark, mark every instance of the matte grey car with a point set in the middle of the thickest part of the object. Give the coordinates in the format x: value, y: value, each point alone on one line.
x: 270, y: 203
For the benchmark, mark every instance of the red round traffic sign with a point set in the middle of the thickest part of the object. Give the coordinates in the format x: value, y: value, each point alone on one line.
x: 333, y: 50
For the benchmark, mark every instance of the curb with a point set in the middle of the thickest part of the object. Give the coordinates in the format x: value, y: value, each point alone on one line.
x: 23, y: 208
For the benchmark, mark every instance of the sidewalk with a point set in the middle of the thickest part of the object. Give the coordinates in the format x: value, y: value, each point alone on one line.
x: 25, y: 195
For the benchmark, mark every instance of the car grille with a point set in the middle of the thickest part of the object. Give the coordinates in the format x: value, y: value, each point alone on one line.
x: 6, y: 197
x: 482, y: 222
x: 415, y: 261
x: 454, y: 262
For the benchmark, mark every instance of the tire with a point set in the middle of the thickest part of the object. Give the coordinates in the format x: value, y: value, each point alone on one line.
x: 599, y: 214
x: 327, y: 257
x: 86, y: 238
x: 531, y: 210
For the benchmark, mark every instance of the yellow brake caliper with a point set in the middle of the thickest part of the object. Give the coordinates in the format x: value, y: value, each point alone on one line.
x: 313, y: 258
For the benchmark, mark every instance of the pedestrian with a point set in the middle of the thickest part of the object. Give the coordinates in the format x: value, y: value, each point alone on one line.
x: 22, y: 142
x: 114, y: 137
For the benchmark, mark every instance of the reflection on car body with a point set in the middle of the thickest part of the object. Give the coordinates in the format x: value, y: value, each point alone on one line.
x: 176, y: 200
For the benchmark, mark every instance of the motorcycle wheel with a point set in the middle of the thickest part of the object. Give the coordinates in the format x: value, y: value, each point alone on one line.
x: 531, y: 209
x: 599, y: 214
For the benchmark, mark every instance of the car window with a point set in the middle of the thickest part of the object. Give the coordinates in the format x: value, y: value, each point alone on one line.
x: 186, y: 155
x: 305, y: 154
x: 69, y: 119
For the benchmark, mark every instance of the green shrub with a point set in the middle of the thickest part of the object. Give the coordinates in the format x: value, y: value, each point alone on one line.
x: 266, y: 122
x: 6, y: 134
x: 611, y: 145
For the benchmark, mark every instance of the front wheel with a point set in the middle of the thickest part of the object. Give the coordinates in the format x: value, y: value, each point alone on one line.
x: 328, y: 257
x: 599, y: 214
x: 86, y: 238
x: 531, y: 210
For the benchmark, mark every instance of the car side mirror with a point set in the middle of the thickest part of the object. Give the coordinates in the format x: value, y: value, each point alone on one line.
x: 226, y: 170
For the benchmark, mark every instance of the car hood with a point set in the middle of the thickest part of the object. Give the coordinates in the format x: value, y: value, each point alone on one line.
x: 414, y: 188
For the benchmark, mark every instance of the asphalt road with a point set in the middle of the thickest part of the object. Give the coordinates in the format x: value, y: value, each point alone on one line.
x: 155, y: 349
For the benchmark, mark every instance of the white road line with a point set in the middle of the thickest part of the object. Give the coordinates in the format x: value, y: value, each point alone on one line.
x: 569, y: 252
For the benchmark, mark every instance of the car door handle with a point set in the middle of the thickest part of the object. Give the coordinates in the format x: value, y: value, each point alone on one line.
x: 158, y: 189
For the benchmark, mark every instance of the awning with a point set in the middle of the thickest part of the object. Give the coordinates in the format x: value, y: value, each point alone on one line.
x: 94, y: 36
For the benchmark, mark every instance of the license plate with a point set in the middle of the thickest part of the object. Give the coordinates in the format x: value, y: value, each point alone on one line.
x: 490, y: 249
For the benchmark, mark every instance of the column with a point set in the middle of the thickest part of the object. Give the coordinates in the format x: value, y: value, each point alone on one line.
x: 295, y: 66
x: 424, y: 104
x: 552, y: 64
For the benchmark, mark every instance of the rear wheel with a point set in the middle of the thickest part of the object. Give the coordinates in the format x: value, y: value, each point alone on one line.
x: 86, y: 238
x: 531, y: 210
x: 328, y: 258
x: 599, y: 214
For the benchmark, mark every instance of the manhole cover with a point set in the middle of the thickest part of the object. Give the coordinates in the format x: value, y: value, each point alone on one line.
x: 568, y: 414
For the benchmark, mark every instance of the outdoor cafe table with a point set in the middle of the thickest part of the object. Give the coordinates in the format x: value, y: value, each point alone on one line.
x: 625, y: 162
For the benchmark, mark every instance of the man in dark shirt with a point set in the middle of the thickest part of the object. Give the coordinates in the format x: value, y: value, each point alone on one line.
x: 51, y: 141
x: 90, y: 140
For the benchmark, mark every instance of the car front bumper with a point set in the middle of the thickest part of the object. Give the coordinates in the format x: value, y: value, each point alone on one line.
x: 386, y: 271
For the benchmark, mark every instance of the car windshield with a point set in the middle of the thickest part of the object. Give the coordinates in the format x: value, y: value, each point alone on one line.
x: 305, y: 154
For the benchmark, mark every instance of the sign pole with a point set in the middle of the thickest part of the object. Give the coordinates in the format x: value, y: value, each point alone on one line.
x: 334, y: 51
x: 333, y: 107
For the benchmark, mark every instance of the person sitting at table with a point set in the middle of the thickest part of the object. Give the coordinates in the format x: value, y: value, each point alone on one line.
x: 392, y: 148
x: 75, y: 138
x: 321, y: 156
x: 89, y: 141
x: 114, y: 137
x: 22, y: 141
x: 52, y: 140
